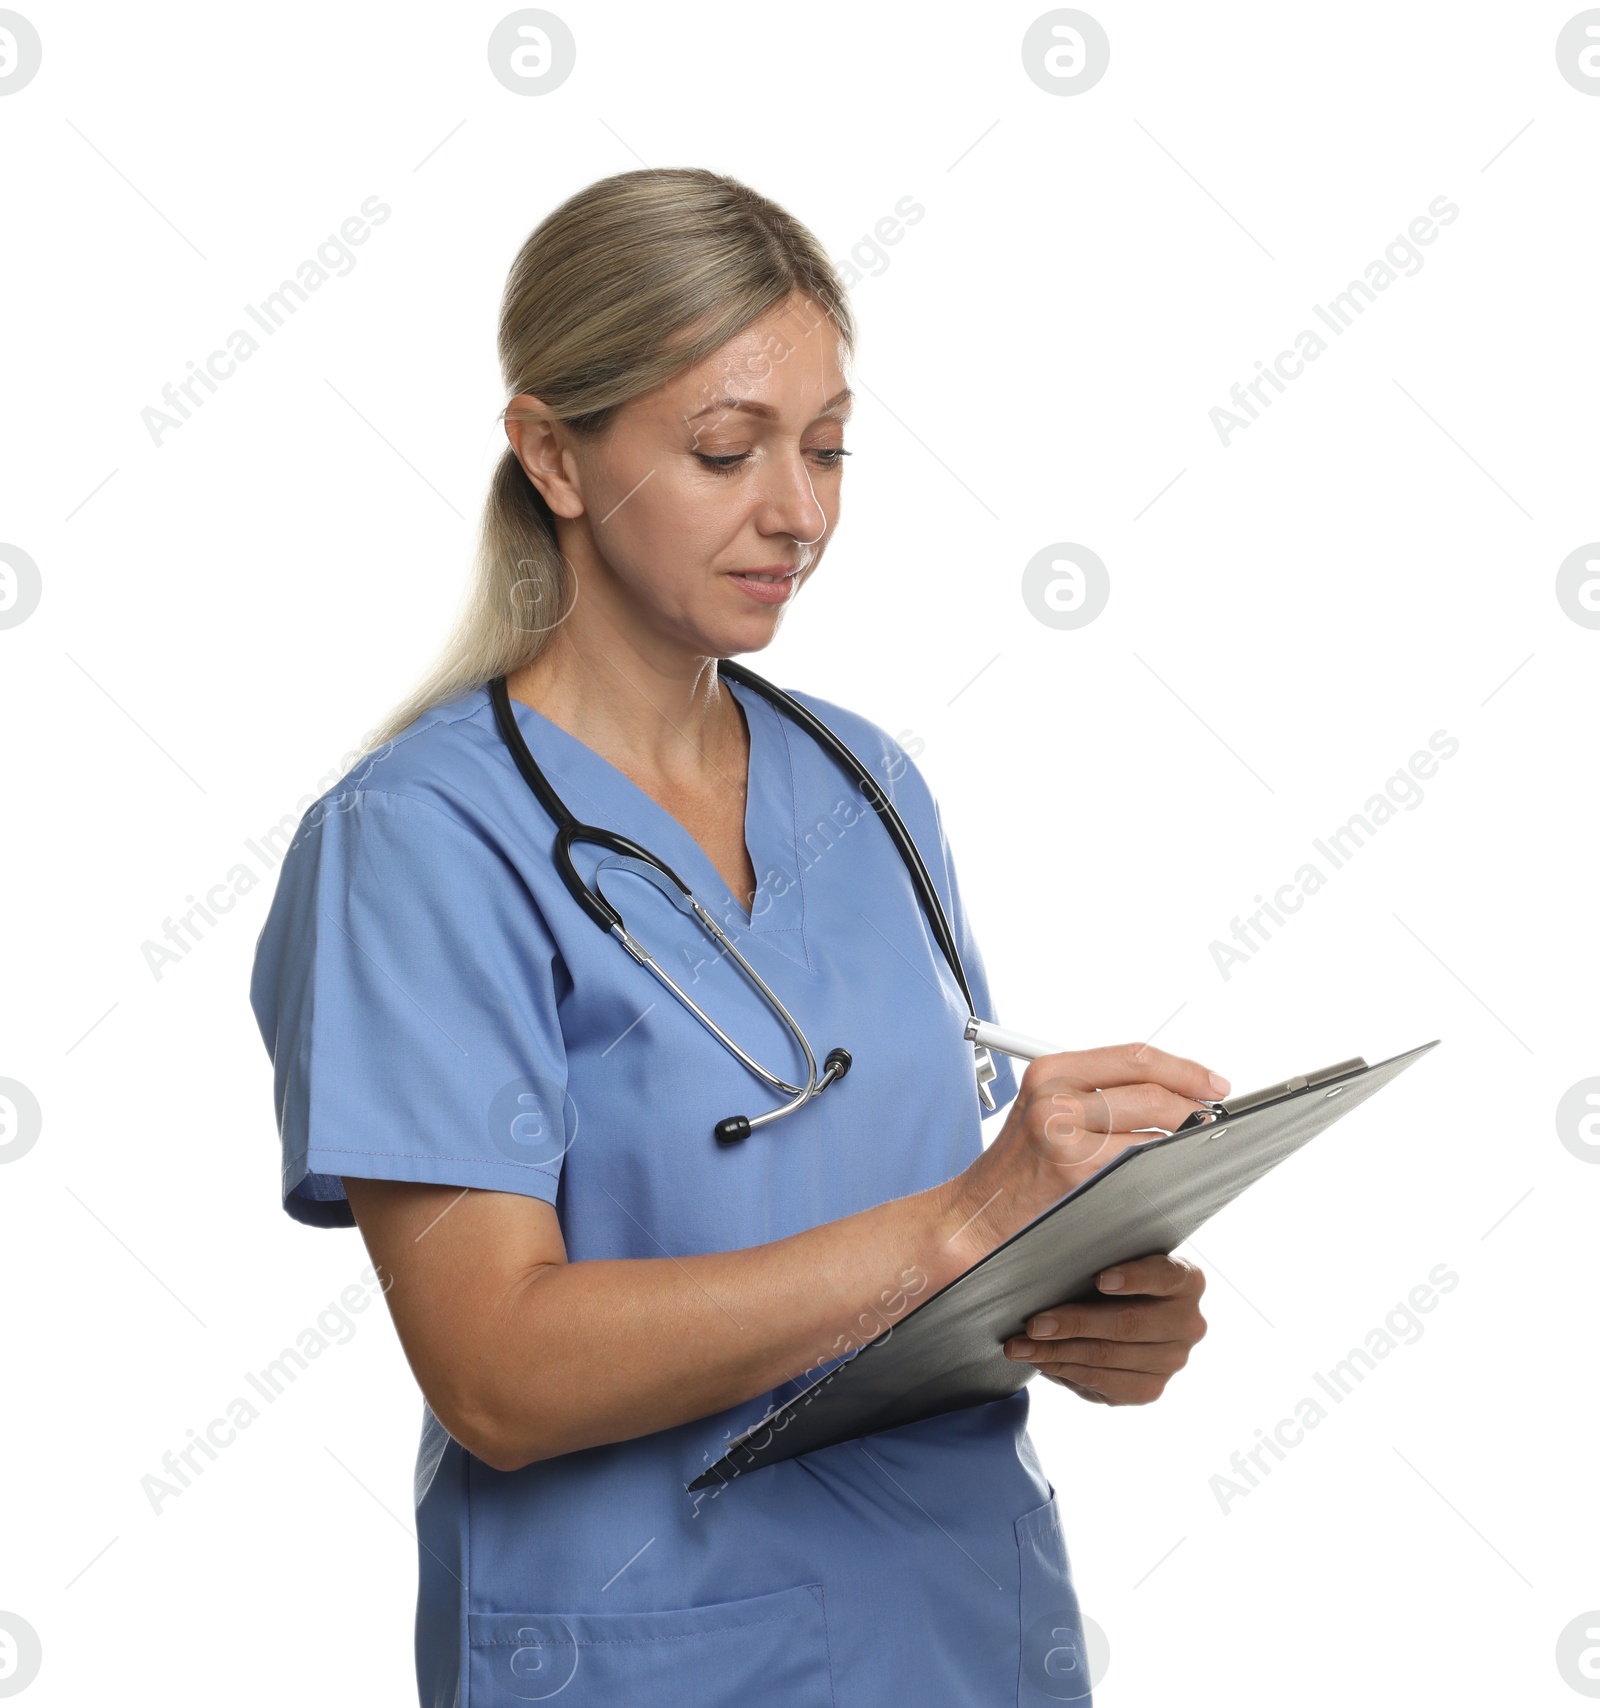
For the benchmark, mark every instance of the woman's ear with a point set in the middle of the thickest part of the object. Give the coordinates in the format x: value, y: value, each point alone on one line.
x: 542, y: 446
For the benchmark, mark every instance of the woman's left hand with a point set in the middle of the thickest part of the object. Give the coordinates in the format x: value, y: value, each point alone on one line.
x: 1121, y: 1350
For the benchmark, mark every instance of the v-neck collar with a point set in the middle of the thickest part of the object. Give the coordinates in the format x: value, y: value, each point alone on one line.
x: 586, y: 781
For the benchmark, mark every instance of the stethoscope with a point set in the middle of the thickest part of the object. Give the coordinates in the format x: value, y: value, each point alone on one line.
x: 623, y: 854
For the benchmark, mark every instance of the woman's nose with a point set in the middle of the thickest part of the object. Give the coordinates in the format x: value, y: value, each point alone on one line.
x: 789, y: 504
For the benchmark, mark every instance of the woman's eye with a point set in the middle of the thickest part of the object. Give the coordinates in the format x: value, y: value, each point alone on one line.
x: 827, y: 456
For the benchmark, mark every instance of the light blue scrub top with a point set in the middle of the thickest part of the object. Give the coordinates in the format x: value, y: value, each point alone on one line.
x: 438, y: 1008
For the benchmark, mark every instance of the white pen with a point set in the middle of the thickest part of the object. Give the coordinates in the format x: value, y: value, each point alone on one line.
x: 1008, y: 1043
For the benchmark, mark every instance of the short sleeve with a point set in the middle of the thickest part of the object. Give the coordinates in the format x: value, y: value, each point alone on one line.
x: 406, y: 989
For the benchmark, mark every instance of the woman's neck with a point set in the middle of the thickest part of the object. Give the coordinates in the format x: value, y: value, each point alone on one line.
x: 655, y: 714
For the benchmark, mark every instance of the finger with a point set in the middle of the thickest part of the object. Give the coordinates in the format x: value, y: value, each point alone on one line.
x: 1112, y: 1387
x: 1069, y: 1110
x: 1133, y: 1064
x: 1072, y: 1139
x: 1113, y: 1108
x: 1155, y: 1276
x: 1154, y: 1357
x: 1078, y: 1388
x: 1105, y: 1319
x: 1138, y: 1107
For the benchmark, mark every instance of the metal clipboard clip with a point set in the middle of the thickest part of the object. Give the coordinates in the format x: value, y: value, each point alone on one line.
x: 1246, y: 1101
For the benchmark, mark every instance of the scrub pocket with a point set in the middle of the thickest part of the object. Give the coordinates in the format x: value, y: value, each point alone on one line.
x: 1054, y: 1663
x: 768, y: 1648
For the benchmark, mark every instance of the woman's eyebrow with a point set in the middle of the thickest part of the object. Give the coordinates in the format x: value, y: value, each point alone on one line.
x: 838, y: 404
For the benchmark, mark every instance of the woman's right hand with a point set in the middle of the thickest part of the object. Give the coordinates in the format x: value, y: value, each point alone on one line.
x: 1074, y: 1112
x: 524, y: 1355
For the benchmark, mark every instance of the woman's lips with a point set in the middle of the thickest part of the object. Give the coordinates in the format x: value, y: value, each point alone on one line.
x: 768, y: 586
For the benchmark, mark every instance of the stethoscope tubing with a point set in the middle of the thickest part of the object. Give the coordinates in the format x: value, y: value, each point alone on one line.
x: 819, y: 732
x: 570, y: 831
x: 650, y: 964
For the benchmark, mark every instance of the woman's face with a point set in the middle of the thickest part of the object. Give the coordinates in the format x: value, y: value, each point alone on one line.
x: 698, y: 515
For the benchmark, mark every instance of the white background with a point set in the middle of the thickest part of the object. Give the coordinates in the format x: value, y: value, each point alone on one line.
x: 225, y: 615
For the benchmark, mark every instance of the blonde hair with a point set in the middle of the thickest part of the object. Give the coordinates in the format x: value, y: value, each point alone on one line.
x: 627, y: 283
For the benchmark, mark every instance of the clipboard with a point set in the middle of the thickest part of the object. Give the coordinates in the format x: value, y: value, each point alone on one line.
x: 947, y: 1353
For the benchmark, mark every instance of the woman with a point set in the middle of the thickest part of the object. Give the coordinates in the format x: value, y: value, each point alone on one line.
x: 594, y: 1294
